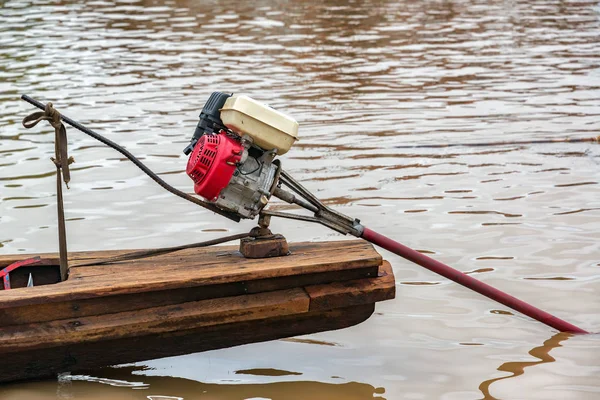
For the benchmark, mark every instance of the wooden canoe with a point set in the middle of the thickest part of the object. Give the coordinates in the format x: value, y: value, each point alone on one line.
x: 184, y: 302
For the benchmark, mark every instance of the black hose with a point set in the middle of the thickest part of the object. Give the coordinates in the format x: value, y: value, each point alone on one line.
x: 137, y: 162
x: 136, y: 255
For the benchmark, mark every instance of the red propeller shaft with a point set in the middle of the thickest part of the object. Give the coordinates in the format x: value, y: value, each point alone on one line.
x: 469, y: 282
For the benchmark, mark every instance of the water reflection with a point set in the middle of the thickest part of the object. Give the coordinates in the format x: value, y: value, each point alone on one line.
x: 517, y: 368
x: 130, y: 383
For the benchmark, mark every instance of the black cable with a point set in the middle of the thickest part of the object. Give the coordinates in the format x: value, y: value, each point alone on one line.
x: 136, y: 255
x: 137, y: 162
x: 260, y: 165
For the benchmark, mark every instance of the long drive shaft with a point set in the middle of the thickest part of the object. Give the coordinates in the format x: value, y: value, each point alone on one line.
x: 469, y: 282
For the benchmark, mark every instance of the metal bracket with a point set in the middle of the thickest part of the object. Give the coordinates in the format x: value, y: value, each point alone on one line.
x: 322, y: 214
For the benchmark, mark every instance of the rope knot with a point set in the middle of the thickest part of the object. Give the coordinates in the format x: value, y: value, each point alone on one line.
x: 49, y: 114
x: 53, y: 116
x: 61, y: 157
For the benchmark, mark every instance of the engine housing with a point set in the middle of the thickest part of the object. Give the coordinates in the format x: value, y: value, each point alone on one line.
x: 212, y: 163
x: 232, y: 163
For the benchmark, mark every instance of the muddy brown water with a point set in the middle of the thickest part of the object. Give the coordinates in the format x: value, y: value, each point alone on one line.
x: 361, y: 77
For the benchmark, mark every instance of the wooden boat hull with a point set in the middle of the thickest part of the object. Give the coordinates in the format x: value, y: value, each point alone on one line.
x: 202, y: 300
x: 50, y: 362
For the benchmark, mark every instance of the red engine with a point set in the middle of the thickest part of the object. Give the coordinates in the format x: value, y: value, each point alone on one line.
x: 233, y: 165
x: 212, y: 163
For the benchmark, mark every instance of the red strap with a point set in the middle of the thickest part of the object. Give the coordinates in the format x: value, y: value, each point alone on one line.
x: 4, y: 273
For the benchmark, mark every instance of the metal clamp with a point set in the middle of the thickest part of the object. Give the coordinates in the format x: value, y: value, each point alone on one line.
x: 305, y: 199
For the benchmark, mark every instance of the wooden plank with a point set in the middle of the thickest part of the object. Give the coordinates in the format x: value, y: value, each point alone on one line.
x: 47, y: 259
x: 215, y: 311
x: 87, y: 256
x: 49, y: 362
x: 112, y: 304
x: 229, y: 259
x: 355, y: 292
x: 196, y: 267
x: 75, y: 344
x: 156, y: 320
x: 186, y: 302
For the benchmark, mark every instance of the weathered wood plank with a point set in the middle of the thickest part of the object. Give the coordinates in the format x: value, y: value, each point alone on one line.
x: 137, y: 301
x: 200, y: 313
x: 47, y: 259
x: 354, y: 292
x: 86, y: 256
x: 156, y: 320
x: 49, y: 362
x: 194, y: 300
x: 196, y: 267
x: 227, y: 257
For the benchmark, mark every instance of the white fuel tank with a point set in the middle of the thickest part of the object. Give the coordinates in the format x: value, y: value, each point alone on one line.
x: 268, y: 128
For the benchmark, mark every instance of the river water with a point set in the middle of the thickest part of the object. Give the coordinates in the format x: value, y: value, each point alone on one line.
x: 362, y: 78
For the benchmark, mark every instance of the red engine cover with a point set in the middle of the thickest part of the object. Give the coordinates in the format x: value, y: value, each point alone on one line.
x: 212, y: 164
